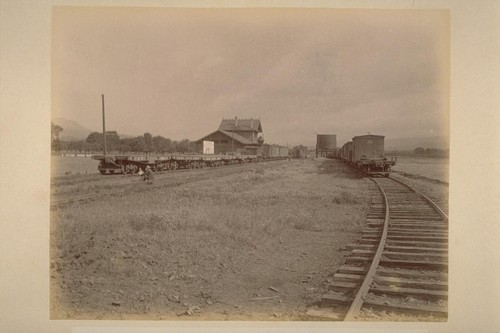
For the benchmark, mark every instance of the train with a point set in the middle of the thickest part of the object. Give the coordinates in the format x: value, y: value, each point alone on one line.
x: 366, y: 153
x: 132, y: 164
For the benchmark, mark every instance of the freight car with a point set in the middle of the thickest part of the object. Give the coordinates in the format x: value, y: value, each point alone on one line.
x: 366, y: 153
x: 273, y: 152
x: 132, y: 164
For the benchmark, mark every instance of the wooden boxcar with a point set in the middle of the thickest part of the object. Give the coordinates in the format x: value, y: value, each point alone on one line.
x: 366, y: 153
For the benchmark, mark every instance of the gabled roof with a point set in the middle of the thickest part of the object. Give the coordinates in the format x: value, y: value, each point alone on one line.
x: 233, y: 136
x: 241, y: 125
x: 237, y: 137
x: 368, y: 136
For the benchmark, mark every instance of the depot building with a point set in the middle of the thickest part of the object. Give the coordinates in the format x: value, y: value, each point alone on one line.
x: 242, y: 136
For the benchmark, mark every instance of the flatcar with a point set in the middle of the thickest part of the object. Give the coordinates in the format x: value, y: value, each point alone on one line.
x: 127, y: 164
x: 132, y: 164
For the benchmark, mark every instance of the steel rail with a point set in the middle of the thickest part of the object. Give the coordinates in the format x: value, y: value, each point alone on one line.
x: 54, y: 202
x: 365, y: 287
x: 429, y: 201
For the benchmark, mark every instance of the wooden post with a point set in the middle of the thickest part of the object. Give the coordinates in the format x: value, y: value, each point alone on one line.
x: 103, y: 126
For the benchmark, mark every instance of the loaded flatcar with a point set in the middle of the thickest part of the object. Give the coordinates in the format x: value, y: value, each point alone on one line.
x: 132, y: 164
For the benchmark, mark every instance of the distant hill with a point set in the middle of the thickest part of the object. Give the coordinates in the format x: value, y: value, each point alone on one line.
x: 71, y: 129
x: 412, y: 143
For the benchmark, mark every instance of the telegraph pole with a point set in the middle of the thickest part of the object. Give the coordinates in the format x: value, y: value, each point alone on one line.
x: 103, y: 126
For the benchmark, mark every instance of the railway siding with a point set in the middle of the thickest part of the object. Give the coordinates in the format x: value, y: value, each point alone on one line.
x: 92, y: 187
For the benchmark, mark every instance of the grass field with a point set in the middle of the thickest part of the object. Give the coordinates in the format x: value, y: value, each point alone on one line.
x: 205, y: 248
x: 65, y: 165
x: 431, y: 168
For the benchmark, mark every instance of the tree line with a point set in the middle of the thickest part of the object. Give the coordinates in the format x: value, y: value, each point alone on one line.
x: 146, y: 143
x: 431, y: 152
x: 420, y: 152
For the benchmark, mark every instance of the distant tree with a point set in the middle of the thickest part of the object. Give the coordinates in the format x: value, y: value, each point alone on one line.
x: 419, y: 151
x: 148, y: 142
x: 161, y: 144
x: 76, y: 145
x: 95, y: 141
x: 55, y: 131
x: 112, y: 141
x: 298, y: 151
x: 185, y: 146
x: 124, y: 147
x: 431, y: 152
x: 94, y: 137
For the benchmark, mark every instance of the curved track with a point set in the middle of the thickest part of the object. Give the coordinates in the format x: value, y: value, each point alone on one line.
x: 400, y: 265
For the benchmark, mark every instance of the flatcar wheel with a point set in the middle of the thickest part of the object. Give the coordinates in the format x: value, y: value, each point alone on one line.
x: 103, y: 172
x: 134, y: 170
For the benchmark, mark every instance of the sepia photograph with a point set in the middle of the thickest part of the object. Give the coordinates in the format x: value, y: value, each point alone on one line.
x: 249, y: 164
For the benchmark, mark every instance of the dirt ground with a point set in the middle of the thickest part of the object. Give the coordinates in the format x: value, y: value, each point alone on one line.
x: 252, y: 242
x: 261, y: 246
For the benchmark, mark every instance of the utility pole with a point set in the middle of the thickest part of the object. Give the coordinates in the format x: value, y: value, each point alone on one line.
x: 103, y: 126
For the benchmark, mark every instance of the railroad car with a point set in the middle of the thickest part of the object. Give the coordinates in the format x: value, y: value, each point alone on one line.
x: 132, y: 164
x: 366, y: 153
x: 274, y: 152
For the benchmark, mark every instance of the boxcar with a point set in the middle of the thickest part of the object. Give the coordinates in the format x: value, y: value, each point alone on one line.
x: 368, y: 155
x: 367, y: 146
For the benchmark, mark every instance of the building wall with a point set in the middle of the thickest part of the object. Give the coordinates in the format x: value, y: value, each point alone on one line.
x: 222, y: 148
x: 326, y: 145
x: 326, y: 142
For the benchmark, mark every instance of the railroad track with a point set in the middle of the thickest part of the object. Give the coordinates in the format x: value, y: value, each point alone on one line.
x: 60, y: 181
x: 129, y: 184
x: 400, y: 266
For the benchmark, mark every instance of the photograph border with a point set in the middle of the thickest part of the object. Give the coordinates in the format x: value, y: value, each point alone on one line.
x: 25, y: 196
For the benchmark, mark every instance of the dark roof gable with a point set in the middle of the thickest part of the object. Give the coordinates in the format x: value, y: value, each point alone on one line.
x: 230, y: 135
x: 236, y: 124
x: 368, y: 136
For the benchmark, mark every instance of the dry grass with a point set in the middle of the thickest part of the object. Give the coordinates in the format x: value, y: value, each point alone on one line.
x: 240, y: 209
x: 202, y: 228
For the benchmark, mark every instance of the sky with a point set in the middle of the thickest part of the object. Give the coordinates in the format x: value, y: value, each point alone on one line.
x: 178, y: 72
